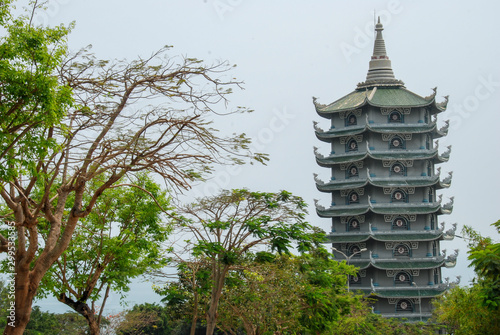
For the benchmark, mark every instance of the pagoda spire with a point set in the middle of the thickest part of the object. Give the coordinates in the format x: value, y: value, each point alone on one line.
x: 380, y: 70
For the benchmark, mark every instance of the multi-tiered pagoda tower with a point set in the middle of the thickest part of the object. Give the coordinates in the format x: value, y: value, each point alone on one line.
x: 384, y: 182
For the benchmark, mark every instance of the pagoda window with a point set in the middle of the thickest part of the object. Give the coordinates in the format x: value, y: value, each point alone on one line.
x: 397, y: 143
x: 431, y: 194
x: 351, y: 145
x: 398, y: 169
x: 403, y: 278
x: 399, y: 196
x: 400, y: 223
x: 353, y: 225
x: 355, y: 280
x: 395, y: 117
x: 353, y: 251
x: 353, y: 198
x: 352, y: 172
x: 351, y: 120
x: 428, y: 142
x: 433, y: 222
x: 404, y: 305
x: 434, y: 248
x: 436, y: 275
x: 402, y: 250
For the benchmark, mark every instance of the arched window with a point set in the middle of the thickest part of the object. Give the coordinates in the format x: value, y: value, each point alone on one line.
x: 396, y: 117
x: 399, y: 196
x: 351, y: 120
x: 398, y: 169
x: 397, y: 143
x: 353, y: 225
x: 355, y: 280
x: 352, y: 172
x: 402, y: 250
x: 353, y: 198
x: 404, y: 305
x: 353, y: 251
x: 402, y: 278
x: 351, y: 145
x: 400, y: 223
x: 431, y: 194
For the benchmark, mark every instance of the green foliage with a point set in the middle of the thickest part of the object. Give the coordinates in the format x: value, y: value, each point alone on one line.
x: 462, y: 311
x: 42, y: 323
x: 33, y: 100
x: 151, y: 319
x: 485, y: 259
x: 120, y: 240
x: 323, y: 290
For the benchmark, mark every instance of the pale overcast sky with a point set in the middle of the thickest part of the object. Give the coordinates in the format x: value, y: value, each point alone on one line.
x: 288, y: 51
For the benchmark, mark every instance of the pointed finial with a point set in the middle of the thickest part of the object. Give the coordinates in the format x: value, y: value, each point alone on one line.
x: 380, y: 70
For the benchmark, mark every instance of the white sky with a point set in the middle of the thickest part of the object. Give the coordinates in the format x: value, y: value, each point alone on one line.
x: 288, y: 51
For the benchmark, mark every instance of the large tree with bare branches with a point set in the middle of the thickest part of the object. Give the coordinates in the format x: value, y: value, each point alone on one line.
x: 222, y: 229
x: 153, y: 114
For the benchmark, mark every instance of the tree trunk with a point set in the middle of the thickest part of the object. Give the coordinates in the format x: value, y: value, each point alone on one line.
x: 19, y: 314
x: 195, y: 313
x: 83, y: 309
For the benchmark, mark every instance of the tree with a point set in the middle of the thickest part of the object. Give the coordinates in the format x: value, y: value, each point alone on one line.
x: 474, y: 310
x: 32, y: 98
x: 462, y: 311
x: 120, y: 240
x: 145, y: 318
x: 224, y: 227
x: 485, y: 259
x: 108, y: 134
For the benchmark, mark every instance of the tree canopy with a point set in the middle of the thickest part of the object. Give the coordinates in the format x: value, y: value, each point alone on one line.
x: 98, y: 122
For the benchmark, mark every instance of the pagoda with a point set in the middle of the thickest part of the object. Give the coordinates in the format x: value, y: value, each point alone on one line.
x: 385, y: 176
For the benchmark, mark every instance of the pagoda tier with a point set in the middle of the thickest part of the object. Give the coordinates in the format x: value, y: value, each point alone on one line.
x: 417, y: 128
x: 383, y: 181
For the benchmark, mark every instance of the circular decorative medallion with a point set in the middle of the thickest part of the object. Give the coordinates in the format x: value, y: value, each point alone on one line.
x: 399, y: 223
x: 401, y: 250
x: 354, y: 197
x: 353, y: 145
x: 402, y: 277
x: 397, y: 169
x: 395, y: 143
x: 404, y: 305
x: 354, y: 223
x: 398, y: 195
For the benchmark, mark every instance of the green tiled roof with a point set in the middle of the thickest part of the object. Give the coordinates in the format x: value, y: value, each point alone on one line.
x: 385, y: 208
x: 400, y: 292
x: 431, y: 235
x: 348, y: 238
x: 404, y: 128
x: 328, y: 161
x: 409, y: 264
x: 344, y: 184
x: 353, y: 237
x: 406, y: 208
x: 395, y: 96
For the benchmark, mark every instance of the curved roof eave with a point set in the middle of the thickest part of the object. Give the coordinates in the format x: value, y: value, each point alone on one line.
x: 384, y: 237
x: 379, y: 182
x: 383, y: 155
x: 386, y: 208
